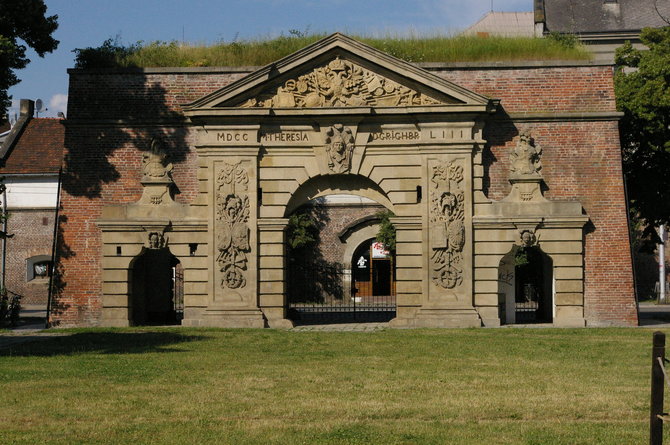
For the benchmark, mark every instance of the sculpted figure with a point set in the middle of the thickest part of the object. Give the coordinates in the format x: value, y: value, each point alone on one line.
x: 340, y: 147
x: 528, y: 238
x: 155, y: 240
x: 154, y: 161
x: 525, y: 157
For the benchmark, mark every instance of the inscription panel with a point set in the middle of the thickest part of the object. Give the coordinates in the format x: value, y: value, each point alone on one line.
x: 286, y: 136
x: 227, y: 137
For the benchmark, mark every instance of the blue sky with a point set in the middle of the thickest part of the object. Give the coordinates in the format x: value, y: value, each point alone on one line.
x: 87, y: 23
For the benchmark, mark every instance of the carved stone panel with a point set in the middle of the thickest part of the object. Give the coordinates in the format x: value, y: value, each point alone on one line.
x: 339, y: 83
x: 447, y: 221
x: 232, y: 226
x: 340, y: 148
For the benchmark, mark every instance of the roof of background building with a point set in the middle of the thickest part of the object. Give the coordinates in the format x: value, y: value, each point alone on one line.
x: 604, y: 15
x: 38, y: 149
x: 505, y: 24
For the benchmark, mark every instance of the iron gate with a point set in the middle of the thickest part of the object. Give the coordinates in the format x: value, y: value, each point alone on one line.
x: 178, y: 291
x: 328, y: 294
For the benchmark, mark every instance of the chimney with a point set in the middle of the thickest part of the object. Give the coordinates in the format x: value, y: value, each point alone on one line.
x: 540, y: 18
x: 27, y: 108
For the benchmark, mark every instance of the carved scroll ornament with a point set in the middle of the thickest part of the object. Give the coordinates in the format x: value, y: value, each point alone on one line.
x: 232, y: 225
x: 447, y: 216
x: 340, y: 147
x: 340, y: 83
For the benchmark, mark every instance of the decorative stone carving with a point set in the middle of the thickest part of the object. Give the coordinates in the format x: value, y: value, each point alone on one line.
x: 154, y: 165
x: 528, y: 238
x: 525, y: 157
x: 447, y: 217
x: 156, y: 176
x: 525, y: 165
x: 340, y: 83
x: 232, y: 225
x: 340, y: 147
x: 156, y: 240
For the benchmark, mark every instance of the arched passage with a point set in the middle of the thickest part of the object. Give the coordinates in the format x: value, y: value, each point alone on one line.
x: 324, y: 185
x: 319, y: 286
x: 156, y: 288
x: 525, y: 286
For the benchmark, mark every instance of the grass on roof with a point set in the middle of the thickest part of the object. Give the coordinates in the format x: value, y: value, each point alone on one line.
x: 264, y: 51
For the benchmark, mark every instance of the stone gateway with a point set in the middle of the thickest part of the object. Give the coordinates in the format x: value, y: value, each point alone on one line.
x: 504, y: 184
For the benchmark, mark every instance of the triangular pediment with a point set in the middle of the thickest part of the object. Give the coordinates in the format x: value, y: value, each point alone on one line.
x: 338, y: 72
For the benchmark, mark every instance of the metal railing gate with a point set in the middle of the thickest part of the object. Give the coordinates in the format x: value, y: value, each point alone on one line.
x: 327, y: 294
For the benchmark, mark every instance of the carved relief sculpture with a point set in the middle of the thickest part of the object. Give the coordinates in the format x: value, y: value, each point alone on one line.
x: 525, y: 157
x: 528, y: 238
x: 447, y: 217
x: 232, y: 225
x: 154, y: 165
x: 340, y: 83
x: 340, y: 147
x: 156, y: 240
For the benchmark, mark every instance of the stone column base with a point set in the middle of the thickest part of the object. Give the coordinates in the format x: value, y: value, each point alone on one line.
x: 440, y: 318
x: 280, y: 323
x: 233, y: 318
x: 566, y: 322
x: 489, y: 316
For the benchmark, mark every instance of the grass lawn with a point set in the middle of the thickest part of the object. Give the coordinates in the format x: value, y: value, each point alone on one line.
x: 175, y: 385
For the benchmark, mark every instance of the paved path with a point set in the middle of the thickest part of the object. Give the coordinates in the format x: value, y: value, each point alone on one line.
x: 342, y: 327
x: 651, y: 316
x: 27, y: 333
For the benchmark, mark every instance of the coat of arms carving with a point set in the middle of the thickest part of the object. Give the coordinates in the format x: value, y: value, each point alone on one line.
x: 339, y: 83
x: 447, y: 217
x: 232, y: 225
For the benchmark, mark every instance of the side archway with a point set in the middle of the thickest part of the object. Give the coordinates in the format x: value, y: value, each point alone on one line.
x: 155, y: 287
x: 525, y: 286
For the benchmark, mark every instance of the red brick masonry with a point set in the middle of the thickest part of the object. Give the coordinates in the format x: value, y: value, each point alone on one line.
x: 110, y: 113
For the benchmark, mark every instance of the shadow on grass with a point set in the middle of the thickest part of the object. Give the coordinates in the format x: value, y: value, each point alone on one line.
x: 100, y: 343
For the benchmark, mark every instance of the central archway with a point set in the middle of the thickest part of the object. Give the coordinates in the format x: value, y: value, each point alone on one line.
x: 335, y: 215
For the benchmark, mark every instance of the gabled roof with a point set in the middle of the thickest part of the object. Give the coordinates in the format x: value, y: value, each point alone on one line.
x: 336, y: 72
x: 38, y: 149
x: 601, y: 16
x: 506, y: 24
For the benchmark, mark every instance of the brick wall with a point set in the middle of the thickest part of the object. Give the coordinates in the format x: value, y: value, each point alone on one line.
x: 109, y: 116
x: 336, y: 219
x: 33, y: 235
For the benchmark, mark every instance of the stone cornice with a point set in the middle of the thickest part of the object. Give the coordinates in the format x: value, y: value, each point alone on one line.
x: 561, y: 116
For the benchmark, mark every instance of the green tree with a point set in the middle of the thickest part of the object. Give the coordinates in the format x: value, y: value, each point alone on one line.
x: 22, y: 22
x: 642, y: 85
x: 386, y: 234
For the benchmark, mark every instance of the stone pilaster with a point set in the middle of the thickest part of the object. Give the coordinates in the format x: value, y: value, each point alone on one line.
x: 272, y: 264
x: 233, y: 210
x: 409, y: 263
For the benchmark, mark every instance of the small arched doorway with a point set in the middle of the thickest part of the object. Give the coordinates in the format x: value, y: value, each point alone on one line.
x: 525, y: 286
x: 156, y: 288
x: 373, y: 275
